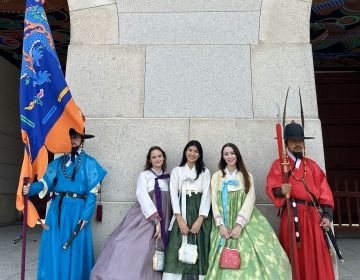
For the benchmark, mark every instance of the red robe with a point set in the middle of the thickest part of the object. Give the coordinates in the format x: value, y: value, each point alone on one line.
x: 313, y: 255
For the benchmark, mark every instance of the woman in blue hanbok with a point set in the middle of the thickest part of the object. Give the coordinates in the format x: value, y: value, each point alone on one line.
x: 74, y: 180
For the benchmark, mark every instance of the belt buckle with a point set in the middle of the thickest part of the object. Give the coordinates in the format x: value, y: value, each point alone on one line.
x: 75, y: 195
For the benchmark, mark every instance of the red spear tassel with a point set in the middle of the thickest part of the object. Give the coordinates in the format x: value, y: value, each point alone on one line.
x: 99, y: 209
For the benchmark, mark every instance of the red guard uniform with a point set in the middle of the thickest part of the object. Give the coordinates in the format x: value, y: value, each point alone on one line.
x: 313, y: 254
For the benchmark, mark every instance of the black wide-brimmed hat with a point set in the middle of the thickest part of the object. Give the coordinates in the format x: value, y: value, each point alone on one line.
x: 72, y: 131
x: 294, y: 130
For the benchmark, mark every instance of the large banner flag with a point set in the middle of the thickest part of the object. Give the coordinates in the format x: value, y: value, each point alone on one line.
x: 47, y: 109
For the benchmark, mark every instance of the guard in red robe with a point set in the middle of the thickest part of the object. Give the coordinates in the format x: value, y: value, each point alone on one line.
x: 308, y: 187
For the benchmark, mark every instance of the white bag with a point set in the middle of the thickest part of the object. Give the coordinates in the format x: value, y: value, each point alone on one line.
x: 158, y: 260
x: 188, y: 253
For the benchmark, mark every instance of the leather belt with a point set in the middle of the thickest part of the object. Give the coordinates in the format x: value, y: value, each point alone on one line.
x: 300, y: 201
x: 71, y: 194
x: 67, y: 194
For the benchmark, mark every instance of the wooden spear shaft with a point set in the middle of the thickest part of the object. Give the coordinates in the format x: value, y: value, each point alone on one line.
x: 285, y: 172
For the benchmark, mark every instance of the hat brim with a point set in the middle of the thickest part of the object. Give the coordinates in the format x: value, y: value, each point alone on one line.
x: 88, y: 136
x: 298, y: 137
x: 85, y: 136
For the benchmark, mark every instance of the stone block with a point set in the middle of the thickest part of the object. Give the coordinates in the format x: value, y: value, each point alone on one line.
x: 287, y: 21
x: 107, y: 80
x: 78, y: 5
x: 189, y: 28
x: 146, y: 6
x: 121, y: 146
x: 198, y: 81
x: 255, y: 140
x: 275, y: 67
x: 97, y: 25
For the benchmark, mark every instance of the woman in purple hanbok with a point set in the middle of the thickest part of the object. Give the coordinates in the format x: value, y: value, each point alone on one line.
x: 128, y: 251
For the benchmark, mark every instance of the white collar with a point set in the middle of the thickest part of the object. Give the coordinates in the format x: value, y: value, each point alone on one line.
x: 69, y: 161
x: 190, y: 173
x: 157, y: 174
x: 298, y: 161
x: 231, y: 175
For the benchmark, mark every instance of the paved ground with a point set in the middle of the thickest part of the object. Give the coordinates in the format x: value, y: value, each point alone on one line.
x: 10, y: 255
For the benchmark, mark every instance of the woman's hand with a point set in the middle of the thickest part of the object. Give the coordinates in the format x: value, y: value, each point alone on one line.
x: 182, y: 225
x: 197, y: 225
x: 224, y: 231
x: 157, y: 234
x: 236, y: 231
x: 26, y: 189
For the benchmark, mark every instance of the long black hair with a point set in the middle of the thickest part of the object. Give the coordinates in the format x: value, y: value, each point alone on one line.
x: 239, y: 164
x: 148, y: 164
x: 199, y: 164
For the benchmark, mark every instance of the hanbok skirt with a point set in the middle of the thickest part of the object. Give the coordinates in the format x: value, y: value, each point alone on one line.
x: 174, y: 269
x: 262, y: 256
x: 128, y: 251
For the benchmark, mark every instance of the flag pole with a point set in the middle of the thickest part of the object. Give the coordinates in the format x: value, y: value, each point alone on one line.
x: 23, y: 234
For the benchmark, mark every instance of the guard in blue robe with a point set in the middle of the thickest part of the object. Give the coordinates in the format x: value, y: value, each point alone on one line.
x: 74, y: 180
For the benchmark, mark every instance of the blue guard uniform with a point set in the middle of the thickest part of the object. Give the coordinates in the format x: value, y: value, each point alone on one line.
x: 74, y: 200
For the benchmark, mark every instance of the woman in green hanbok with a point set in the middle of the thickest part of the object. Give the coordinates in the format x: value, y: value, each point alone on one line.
x: 240, y: 225
x: 190, y: 199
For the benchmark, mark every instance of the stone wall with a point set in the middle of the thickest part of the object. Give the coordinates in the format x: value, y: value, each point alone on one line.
x: 164, y: 72
x: 11, y: 150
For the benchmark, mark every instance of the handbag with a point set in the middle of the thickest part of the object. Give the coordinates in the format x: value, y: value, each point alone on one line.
x: 188, y: 253
x: 158, y: 259
x: 230, y: 258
